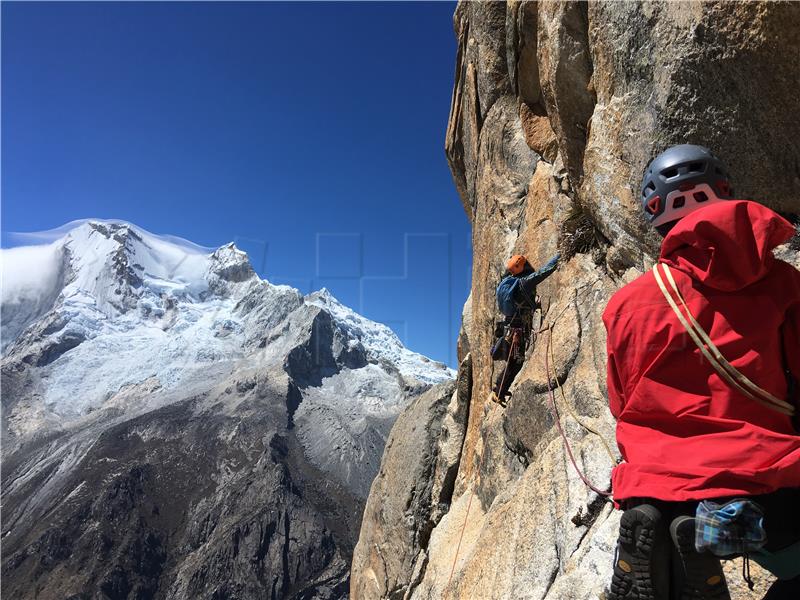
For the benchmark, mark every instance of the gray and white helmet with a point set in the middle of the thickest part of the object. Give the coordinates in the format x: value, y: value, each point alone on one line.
x: 680, y: 180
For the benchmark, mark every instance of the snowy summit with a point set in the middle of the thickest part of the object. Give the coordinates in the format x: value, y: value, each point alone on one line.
x: 164, y: 404
x: 108, y: 305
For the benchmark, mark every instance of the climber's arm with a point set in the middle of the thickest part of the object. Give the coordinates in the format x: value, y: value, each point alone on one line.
x: 529, y: 282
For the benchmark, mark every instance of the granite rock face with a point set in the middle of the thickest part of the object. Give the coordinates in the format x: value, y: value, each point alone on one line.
x: 556, y: 110
x: 412, y: 490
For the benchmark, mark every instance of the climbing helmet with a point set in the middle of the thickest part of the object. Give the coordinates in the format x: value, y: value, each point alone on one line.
x: 680, y: 180
x: 516, y: 264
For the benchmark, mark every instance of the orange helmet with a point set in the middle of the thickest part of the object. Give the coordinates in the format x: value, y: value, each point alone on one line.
x: 516, y: 264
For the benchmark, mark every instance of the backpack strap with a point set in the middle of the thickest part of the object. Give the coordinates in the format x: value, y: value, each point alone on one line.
x: 727, y: 371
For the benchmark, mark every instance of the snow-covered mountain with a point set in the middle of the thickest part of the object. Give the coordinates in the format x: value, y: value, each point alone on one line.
x: 120, y: 343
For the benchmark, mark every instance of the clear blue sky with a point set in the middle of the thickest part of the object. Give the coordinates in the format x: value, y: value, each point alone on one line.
x: 311, y: 134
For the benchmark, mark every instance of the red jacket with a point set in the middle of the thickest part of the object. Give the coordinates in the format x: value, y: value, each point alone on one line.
x: 683, y: 432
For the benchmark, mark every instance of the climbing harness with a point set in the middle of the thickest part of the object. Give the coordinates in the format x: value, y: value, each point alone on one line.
x: 602, y: 493
x: 519, y: 339
x: 727, y: 371
x: 515, y: 336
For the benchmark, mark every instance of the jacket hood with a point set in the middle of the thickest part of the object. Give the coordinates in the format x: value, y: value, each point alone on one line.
x: 727, y: 245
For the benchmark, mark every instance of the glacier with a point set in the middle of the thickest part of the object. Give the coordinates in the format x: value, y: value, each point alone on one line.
x: 144, y: 307
x: 131, y: 363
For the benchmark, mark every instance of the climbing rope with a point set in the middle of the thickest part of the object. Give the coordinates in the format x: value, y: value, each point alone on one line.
x: 599, y: 492
x: 491, y: 372
x: 463, y: 527
x: 579, y: 421
x: 514, y: 342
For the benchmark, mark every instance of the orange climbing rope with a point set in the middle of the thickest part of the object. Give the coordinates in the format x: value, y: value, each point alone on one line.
x: 602, y: 493
x: 514, y: 342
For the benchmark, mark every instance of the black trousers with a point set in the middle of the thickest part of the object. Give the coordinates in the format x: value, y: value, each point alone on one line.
x: 506, y: 377
x: 781, y: 522
x: 781, y: 514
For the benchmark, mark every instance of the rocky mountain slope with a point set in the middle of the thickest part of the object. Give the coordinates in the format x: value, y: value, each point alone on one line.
x: 557, y: 108
x: 176, y: 427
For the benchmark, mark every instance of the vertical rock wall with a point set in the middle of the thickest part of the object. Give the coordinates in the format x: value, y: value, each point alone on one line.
x: 556, y: 110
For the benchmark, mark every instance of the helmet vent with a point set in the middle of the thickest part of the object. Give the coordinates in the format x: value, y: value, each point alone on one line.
x: 654, y: 205
x: 681, y: 179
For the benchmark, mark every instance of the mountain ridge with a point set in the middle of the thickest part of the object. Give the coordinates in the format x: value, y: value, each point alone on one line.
x: 155, y: 386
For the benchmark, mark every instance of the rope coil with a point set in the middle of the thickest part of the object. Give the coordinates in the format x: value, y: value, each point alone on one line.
x: 709, y: 350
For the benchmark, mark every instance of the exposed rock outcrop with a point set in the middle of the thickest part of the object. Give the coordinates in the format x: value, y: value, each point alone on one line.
x: 557, y: 108
x: 412, y: 491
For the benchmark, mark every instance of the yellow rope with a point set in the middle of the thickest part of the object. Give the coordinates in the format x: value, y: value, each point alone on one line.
x: 726, y: 370
x: 575, y: 416
x: 514, y: 342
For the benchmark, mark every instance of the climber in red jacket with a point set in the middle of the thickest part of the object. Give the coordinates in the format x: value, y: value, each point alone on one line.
x: 692, y: 432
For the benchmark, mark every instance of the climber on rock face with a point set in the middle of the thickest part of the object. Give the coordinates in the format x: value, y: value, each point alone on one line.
x: 516, y: 299
x: 703, y: 358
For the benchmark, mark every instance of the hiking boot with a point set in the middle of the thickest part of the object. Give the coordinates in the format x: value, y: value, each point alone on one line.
x: 501, y: 401
x: 641, y: 565
x: 703, y: 578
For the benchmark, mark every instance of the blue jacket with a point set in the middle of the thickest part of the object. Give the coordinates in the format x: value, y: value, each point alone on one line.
x: 516, y: 290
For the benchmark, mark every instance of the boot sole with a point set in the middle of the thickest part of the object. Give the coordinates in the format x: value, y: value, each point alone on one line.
x: 704, y: 578
x: 632, y: 577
